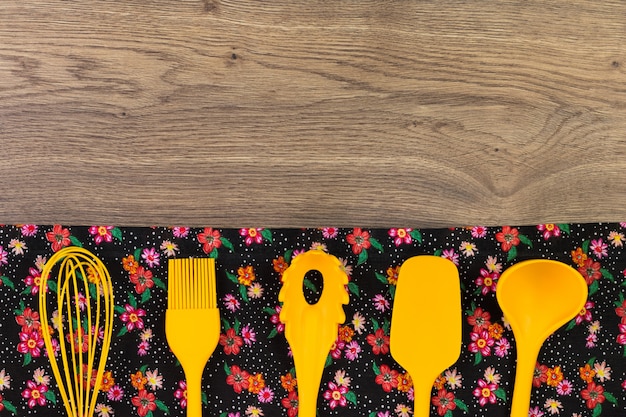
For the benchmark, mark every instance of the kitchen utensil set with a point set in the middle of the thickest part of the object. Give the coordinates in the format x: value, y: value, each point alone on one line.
x: 536, y: 297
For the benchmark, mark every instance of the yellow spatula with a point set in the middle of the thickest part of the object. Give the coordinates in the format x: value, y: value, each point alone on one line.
x: 311, y: 329
x: 537, y: 297
x: 427, y: 307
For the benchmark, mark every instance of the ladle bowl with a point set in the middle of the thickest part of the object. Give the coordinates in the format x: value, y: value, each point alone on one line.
x: 537, y: 297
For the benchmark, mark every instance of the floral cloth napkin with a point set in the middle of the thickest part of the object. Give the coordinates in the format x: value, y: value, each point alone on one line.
x: 581, y: 369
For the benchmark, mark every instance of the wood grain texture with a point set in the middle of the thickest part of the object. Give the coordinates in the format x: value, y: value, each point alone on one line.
x: 310, y: 113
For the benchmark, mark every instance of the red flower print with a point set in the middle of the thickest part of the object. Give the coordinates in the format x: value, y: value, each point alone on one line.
x: 252, y: 235
x: 480, y: 320
x: 231, y: 342
x: 145, y: 402
x: 387, y: 378
x: 210, y: 239
x: 35, y: 394
x: 444, y: 401
x: 379, y: 342
x: 590, y: 270
x: 336, y: 395
x: 540, y: 375
x: 101, y: 234
x: 621, y: 310
x: 485, y: 392
x: 291, y: 404
x: 508, y: 238
x: 29, y: 320
x: 132, y: 316
x: 142, y: 278
x: 59, y: 237
x: 30, y: 343
x: 481, y: 343
x: 593, y: 395
x: 238, y: 379
x: 359, y: 239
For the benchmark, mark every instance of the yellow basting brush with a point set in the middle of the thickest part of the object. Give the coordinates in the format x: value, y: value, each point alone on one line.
x: 192, y: 321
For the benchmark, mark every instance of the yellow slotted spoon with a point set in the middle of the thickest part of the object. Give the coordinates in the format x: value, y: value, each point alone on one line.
x: 311, y: 329
x: 426, y: 308
x: 536, y: 297
x: 79, y: 272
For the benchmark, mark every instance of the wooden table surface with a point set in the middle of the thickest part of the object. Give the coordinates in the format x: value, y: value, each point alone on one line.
x: 312, y: 113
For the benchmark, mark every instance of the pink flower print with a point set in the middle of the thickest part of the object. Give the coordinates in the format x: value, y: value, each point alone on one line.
x: 336, y: 395
x: 231, y: 302
x: 248, y: 334
x: 116, y: 393
x: 32, y: 281
x: 598, y: 248
x: 35, y: 394
x: 29, y: 230
x: 485, y: 392
x: 450, y: 255
x: 180, y: 231
x: 535, y: 412
x: 352, y: 350
x: 548, y: 230
x: 181, y: 393
x: 151, y: 257
x: 4, y: 256
x: 380, y: 303
x: 401, y: 236
x: 266, y: 395
x: 479, y: 232
x: 31, y: 343
x: 487, y: 281
x: 564, y: 387
x: 251, y: 235
x: 101, y: 234
x: 132, y: 316
x: 502, y: 347
x: 330, y: 232
x: 481, y: 343
x: 585, y: 313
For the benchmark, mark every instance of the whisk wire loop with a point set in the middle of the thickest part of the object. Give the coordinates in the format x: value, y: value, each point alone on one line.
x: 79, y: 384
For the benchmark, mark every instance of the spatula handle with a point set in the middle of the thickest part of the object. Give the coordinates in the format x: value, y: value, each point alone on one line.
x: 421, y: 397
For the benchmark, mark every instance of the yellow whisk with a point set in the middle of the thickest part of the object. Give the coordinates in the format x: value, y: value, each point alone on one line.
x: 80, y: 274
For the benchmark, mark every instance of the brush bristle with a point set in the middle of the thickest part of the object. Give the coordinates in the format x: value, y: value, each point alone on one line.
x: 191, y: 283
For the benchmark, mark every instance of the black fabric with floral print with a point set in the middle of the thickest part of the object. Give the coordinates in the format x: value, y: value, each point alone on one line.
x: 581, y: 368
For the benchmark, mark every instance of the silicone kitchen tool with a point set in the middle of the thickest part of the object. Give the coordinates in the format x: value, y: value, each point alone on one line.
x: 311, y: 329
x: 426, y: 321
x: 192, y: 321
x: 80, y: 275
x: 537, y: 297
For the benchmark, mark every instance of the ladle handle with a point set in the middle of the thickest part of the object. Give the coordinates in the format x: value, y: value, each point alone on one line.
x: 527, y: 354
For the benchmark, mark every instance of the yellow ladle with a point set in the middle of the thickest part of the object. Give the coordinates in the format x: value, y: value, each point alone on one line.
x: 537, y: 297
x: 311, y: 329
